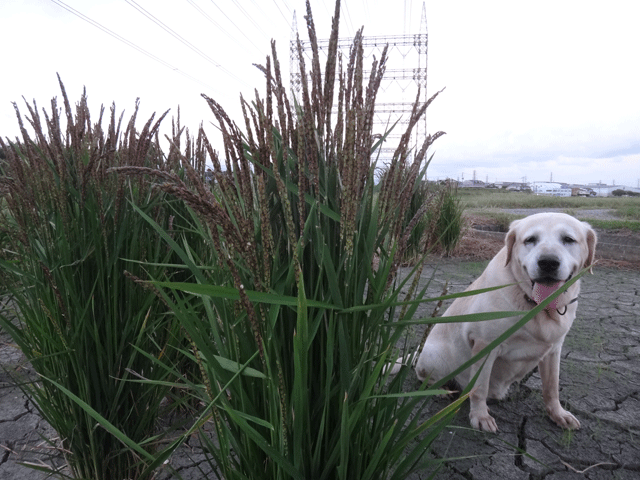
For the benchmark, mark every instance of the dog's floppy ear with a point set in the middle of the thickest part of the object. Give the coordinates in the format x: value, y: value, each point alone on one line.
x: 592, y: 239
x: 510, y: 240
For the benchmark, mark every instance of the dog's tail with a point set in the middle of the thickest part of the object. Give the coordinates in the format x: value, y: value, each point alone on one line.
x: 394, y: 368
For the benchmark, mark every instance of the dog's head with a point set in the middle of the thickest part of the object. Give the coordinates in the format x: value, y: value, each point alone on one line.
x: 546, y: 249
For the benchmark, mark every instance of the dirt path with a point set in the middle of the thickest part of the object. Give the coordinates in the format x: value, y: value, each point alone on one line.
x: 580, y: 213
x: 484, y: 237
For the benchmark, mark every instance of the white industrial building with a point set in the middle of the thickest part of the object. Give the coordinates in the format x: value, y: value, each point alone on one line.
x: 606, y: 190
x: 551, y: 189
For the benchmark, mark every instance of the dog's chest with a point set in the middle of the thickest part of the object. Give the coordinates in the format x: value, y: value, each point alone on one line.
x: 548, y: 328
x: 524, y: 349
x: 533, y: 342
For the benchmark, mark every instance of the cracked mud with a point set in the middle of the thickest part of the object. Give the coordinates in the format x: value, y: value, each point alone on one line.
x: 599, y: 383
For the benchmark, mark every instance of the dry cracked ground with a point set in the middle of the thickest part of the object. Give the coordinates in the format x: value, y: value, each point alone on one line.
x: 600, y: 384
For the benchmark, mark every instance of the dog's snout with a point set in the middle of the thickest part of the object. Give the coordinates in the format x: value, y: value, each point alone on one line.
x: 548, y: 264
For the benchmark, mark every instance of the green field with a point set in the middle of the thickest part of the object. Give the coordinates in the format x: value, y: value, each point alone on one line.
x: 489, y: 203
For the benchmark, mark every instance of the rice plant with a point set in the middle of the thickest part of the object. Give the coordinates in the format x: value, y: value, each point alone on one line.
x: 449, y: 223
x: 78, y: 254
x: 290, y: 316
x: 294, y: 325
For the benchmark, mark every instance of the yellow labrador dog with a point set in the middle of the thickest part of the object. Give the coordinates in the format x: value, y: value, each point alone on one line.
x: 541, y: 253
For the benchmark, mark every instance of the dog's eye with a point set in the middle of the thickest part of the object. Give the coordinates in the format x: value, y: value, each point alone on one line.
x: 568, y: 240
x: 531, y: 240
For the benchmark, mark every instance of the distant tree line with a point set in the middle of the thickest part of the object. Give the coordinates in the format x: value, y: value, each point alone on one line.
x: 624, y: 193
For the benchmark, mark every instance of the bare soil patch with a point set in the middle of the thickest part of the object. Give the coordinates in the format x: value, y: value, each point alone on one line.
x: 480, y: 245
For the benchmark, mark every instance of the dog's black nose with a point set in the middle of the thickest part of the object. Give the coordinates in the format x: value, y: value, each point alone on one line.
x: 548, y: 264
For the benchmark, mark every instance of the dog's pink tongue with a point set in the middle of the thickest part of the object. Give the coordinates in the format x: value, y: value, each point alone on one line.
x: 540, y: 292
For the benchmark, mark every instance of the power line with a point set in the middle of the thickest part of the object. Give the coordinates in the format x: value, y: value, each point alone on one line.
x: 366, y: 9
x: 129, y: 43
x: 244, y: 12
x: 258, y: 7
x: 208, y: 17
x: 151, y: 17
x: 171, y: 32
x: 278, y: 7
x: 327, y: 10
x: 348, y: 19
x: 286, y: 5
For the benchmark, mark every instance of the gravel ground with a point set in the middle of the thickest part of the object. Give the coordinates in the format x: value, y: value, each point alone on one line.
x: 595, y: 214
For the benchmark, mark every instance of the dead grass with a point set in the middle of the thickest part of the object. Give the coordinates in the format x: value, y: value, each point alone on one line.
x: 476, y: 245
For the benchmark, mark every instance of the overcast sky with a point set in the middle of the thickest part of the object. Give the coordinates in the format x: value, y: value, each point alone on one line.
x: 533, y: 89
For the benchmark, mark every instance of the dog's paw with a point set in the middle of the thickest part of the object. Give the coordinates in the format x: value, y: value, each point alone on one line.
x: 484, y: 422
x: 564, y: 419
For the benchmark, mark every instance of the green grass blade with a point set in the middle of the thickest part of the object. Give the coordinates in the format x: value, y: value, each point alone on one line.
x: 112, y: 429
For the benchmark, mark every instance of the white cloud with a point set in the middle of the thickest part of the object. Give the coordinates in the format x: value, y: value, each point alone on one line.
x: 530, y: 87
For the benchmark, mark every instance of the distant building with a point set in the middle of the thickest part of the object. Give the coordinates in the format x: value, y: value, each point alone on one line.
x: 603, y: 190
x: 581, y: 191
x: 449, y: 182
x: 517, y: 187
x: 552, y: 189
x: 472, y: 184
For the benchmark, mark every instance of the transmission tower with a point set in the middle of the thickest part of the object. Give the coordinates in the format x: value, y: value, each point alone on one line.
x: 406, y: 72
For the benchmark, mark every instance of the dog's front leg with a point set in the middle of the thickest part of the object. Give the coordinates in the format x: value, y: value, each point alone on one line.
x: 550, y: 374
x: 479, y: 414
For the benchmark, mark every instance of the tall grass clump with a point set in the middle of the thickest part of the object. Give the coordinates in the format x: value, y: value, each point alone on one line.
x: 293, y: 327
x: 441, y: 223
x: 449, y: 222
x: 78, y: 255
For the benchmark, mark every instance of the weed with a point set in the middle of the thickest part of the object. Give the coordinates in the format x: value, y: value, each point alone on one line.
x: 566, y: 438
